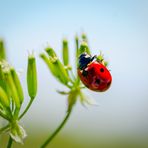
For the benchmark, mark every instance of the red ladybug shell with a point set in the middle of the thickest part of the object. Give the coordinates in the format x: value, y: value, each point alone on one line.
x: 95, y: 76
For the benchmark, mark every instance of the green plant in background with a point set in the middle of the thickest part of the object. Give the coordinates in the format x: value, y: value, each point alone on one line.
x: 12, y: 97
x: 63, y: 72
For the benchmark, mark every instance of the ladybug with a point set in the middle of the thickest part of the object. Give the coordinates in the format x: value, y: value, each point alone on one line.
x: 93, y: 73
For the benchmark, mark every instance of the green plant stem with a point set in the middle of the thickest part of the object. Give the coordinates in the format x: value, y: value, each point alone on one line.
x: 10, y: 142
x: 72, y: 75
x: 16, y: 113
x: 27, y: 108
x: 57, y: 130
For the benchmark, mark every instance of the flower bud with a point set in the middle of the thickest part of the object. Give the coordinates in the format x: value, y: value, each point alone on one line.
x: 83, y: 48
x: 50, y: 52
x: 61, y: 73
x: 84, y: 38
x: 2, y: 51
x: 12, y: 88
x: 100, y: 57
x: 1, y: 76
x: 77, y: 46
x: 65, y: 52
x: 4, y: 100
x: 32, y: 76
x: 49, y: 64
x: 17, y: 84
x: 3, y: 84
x: 1, y: 72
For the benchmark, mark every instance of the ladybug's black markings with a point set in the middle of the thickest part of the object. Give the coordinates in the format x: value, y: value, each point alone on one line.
x: 97, y: 81
x: 84, y: 60
x: 101, y: 70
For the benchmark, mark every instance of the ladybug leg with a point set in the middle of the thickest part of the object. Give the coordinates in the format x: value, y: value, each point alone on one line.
x: 84, y: 73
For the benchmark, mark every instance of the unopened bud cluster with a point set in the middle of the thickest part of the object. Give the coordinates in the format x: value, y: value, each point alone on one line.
x: 12, y: 96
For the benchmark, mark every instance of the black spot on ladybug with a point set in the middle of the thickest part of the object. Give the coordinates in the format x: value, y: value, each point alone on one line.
x: 97, y: 81
x: 101, y: 70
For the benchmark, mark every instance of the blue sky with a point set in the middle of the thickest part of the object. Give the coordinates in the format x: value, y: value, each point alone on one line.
x: 118, y: 28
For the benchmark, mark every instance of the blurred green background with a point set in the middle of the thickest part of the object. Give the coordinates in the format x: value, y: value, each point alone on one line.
x: 120, y: 30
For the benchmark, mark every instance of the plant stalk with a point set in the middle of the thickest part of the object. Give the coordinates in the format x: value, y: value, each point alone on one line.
x: 27, y: 108
x: 57, y: 130
x: 10, y: 142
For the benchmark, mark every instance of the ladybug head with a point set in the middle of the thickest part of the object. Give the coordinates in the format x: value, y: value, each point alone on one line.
x: 84, y: 60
